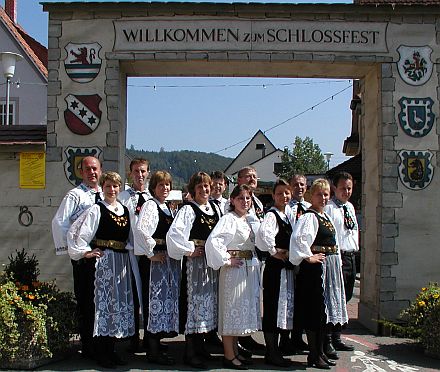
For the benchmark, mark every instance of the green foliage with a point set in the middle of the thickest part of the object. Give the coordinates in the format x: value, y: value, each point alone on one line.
x: 430, y: 336
x: 418, y: 311
x: 304, y: 158
x: 421, y: 319
x: 36, y: 319
x: 22, y: 268
x: 181, y: 164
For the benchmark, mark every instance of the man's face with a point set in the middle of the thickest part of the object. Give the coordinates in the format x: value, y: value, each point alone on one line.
x: 248, y: 178
x: 90, y: 171
x: 139, y: 175
x: 343, y: 190
x: 218, y: 187
x: 299, y: 188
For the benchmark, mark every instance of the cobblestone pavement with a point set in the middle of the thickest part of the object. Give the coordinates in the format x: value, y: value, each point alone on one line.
x: 372, y: 354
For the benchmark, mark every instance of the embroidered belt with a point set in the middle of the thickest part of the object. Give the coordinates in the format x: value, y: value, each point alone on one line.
x: 198, y: 242
x: 327, y: 249
x: 112, y: 244
x: 247, y: 255
x: 160, y: 241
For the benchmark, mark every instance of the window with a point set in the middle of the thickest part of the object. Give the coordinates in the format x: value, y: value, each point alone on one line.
x: 3, y: 113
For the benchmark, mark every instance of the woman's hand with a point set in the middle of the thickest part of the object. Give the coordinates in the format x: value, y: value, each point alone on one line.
x: 235, y: 262
x: 94, y: 253
x: 316, y: 258
x: 282, y: 255
x: 199, y: 251
x: 159, y: 257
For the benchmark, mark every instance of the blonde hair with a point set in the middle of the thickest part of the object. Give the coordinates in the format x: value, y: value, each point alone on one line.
x: 110, y: 176
x: 319, y: 184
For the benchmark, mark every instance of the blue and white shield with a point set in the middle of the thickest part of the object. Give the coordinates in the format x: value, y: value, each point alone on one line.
x: 415, y: 65
x: 73, y: 156
x: 82, y: 62
x: 416, y: 117
x: 416, y: 170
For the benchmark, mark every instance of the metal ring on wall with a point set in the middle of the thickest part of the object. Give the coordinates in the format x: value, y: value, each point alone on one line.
x: 28, y: 218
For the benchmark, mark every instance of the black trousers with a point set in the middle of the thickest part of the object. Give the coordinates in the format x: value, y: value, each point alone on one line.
x: 84, y: 288
x: 348, y: 273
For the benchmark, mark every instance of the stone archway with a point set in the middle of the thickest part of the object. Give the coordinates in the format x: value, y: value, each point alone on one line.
x: 337, y: 41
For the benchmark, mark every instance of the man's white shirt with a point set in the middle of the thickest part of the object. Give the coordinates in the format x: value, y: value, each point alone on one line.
x: 348, y: 238
x: 74, y: 204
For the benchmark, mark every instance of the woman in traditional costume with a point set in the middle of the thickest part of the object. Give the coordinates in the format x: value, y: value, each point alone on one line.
x: 320, y: 286
x: 101, y: 234
x: 278, y: 277
x: 186, y: 240
x: 160, y: 274
x: 231, y: 248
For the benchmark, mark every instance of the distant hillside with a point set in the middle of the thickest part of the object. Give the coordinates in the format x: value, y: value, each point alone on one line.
x: 182, y: 164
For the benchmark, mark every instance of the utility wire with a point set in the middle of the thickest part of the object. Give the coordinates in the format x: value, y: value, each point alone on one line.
x: 289, y: 119
x: 260, y: 85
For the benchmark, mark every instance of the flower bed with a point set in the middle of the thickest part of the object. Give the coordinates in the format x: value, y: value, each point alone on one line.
x: 37, y: 320
x: 421, y: 320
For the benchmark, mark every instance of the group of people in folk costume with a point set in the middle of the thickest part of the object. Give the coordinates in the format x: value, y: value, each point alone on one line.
x: 198, y: 272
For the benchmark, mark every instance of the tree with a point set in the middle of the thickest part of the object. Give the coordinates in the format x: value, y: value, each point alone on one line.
x: 304, y: 158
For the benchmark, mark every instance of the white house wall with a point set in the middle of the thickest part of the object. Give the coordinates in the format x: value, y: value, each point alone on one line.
x: 31, y: 96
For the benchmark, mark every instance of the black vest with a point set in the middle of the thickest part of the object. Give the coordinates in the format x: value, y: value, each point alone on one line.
x: 326, y: 232
x: 162, y: 228
x: 282, y: 239
x: 112, y: 226
x: 203, y: 223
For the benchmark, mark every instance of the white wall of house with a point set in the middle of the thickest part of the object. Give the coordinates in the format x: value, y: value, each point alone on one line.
x: 265, y: 166
x: 31, y: 97
x: 250, y: 154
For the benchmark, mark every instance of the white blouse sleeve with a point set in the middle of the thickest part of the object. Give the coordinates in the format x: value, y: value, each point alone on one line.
x: 82, y: 232
x: 61, y: 222
x: 178, y: 244
x: 265, y: 238
x: 303, y: 235
x: 145, y: 228
x: 216, y: 246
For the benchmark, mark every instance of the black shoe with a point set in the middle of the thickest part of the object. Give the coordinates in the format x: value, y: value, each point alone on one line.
x: 117, y: 360
x: 135, y: 346
x: 243, y: 351
x: 250, y: 344
x: 214, y: 341
x: 231, y: 365
x: 277, y: 361
x: 329, y: 350
x: 194, y: 362
x: 286, y: 347
x: 204, y: 354
x: 300, y: 347
x: 244, y: 360
x: 341, y: 346
x: 106, y: 363
x: 327, y: 360
x: 333, y: 356
x: 161, y: 359
x: 318, y: 363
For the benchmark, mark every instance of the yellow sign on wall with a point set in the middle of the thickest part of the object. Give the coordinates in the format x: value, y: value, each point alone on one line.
x: 32, y: 170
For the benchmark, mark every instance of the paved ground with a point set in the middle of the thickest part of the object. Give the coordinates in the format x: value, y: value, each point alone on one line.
x: 372, y: 354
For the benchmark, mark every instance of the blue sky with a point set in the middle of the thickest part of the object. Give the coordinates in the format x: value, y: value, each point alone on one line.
x: 214, y: 114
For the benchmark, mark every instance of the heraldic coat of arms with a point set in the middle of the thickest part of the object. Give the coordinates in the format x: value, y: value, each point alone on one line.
x: 415, y: 65
x: 415, y: 169
x: 416, y: 117
x: 82, y: 63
